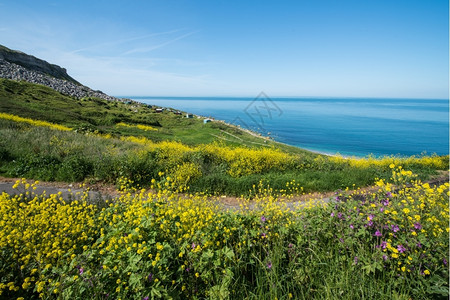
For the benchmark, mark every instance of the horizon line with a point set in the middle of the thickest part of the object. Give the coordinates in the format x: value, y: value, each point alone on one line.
x: 306, y: 97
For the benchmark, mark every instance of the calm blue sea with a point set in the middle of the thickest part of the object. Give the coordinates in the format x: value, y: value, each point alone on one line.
x: 349, y: 126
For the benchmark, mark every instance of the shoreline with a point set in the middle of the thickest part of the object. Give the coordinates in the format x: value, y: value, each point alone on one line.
x: 248, y: 131
x: 265, y: 138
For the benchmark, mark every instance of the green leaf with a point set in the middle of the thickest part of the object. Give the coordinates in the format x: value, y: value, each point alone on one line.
x: 134, y: 280
x: 228, y: 252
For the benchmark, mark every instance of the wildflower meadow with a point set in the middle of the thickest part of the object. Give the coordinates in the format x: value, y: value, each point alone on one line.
x: 388, y: 243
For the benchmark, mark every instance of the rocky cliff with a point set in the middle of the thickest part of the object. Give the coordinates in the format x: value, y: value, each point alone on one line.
x: 18, y: 66
x: 33, y: 63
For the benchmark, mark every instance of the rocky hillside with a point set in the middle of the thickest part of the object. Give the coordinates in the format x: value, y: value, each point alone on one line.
x: 19, y: 66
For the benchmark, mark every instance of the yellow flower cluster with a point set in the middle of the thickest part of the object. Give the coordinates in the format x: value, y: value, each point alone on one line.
x: 245, y: 161
x: 41, y: 232
x: 184, y: 173
x: 33, y: 122
x: 138, y: 126
x: 435, y: 162
x: 241, y: 160
x: 412, y: 213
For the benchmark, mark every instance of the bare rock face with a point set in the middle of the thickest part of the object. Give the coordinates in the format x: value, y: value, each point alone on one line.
x: 19, y: 66
x: 33, y: 63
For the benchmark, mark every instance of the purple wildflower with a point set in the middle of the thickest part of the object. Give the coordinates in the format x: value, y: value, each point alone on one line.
x: 339, y: 215
x: 269, y: 265
x: 385, y: 257
x: 371, y: 217
x: 145, y: 298
x: 389, y: 194
x: 290, y: 245
x: 383, y: 244
x: 263, y: 234
x: 332, y: 214
x: 355, y: 260
x: 81, y: 271
x: 417, y: 226
x: 401, y: 249
x: 377, y: 233
x: 370, y: 223
x: 395, y: 228
x: 381, y: 209
x: 419, y: 245
x: 263, y: 219
x: 351, y: 226
x: 150, y: 277
x: 385, y: 202
x: 444, y: 261
x: 193, y: 246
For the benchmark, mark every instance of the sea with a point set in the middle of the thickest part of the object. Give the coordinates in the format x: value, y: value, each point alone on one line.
x: 347, y: 126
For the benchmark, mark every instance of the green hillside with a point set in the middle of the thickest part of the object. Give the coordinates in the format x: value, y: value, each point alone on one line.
x: 129, y: 144
x: 42, y: 103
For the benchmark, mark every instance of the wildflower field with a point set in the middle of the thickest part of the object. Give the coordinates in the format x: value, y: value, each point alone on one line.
x: 391, y: 243
x: 169, y: 236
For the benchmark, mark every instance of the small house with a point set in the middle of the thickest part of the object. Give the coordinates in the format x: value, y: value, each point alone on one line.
x: 206, y: 121
x: 159, y: 110
x: 189, y: 116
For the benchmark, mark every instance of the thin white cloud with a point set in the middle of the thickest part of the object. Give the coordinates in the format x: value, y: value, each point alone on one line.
x: 122, y: 41
x: 129, y: 75
x: 148, y: 49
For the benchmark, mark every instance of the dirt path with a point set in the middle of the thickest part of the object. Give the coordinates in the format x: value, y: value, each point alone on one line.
x: 71, y: 191
x: 67, y: 190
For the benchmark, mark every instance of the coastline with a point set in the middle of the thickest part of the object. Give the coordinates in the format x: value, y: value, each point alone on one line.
x: 332, y: 126
x: 352, y: 153
x: 255, y: 134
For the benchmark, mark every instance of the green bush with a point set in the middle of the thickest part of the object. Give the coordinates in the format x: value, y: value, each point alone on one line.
x: 74, y: 168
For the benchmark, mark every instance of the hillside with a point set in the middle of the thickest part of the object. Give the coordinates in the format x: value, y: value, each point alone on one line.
x: 94, y: 114
x: 129, y: 144
x: 50, y: 134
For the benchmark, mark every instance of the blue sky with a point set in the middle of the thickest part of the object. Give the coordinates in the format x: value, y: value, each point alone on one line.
x: 240, y: 48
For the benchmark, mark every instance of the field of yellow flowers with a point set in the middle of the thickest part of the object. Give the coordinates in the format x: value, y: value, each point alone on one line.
x: 385, y: 244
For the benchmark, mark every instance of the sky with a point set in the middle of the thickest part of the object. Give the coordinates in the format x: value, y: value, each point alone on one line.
x: 322, y: 48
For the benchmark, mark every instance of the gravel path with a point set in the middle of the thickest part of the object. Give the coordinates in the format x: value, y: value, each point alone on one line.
x: 100, y: 193
x: 67, y: 191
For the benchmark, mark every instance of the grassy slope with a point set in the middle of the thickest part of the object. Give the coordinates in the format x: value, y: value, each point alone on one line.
x: 42, y: 103
x: 68, y: 156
